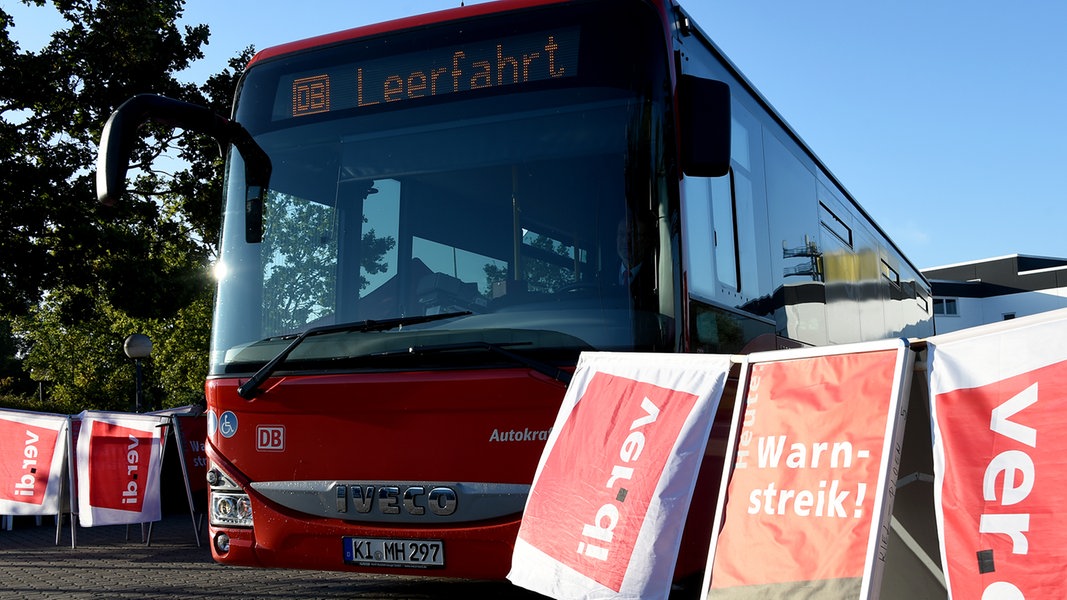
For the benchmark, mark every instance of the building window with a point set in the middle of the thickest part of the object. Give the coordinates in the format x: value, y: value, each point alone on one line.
x: 948, y: 307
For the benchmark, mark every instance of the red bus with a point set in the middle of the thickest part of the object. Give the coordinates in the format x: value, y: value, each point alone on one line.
x: 427, y: 221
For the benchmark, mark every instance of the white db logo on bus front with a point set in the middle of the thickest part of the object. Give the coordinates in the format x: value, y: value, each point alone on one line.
x: 270, y: 438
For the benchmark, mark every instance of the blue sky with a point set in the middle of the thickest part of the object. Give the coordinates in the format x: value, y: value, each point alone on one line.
x: 944, y: 119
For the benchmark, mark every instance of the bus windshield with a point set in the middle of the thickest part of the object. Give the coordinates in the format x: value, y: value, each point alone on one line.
x: 528, y: 211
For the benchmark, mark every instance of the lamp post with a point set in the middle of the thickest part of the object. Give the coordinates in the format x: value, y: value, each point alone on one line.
x: 40, y: 376
x: 137, y: 346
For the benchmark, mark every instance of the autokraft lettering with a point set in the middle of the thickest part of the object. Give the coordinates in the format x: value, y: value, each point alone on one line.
x: 520, y: 435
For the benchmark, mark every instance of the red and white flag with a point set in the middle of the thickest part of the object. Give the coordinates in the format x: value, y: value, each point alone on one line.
x: 118, y: 456
x: 33, y: 447
x: 999, y: 406
x: 806, y: 505
x: 605, y: 514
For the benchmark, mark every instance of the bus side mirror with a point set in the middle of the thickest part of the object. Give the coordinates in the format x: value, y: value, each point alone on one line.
x: 117, y: 142
x: 704, y: 110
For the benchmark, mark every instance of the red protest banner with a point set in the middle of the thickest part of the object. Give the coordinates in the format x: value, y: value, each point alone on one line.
x: 605, y: 514
x: 617, y: 442
x: 998, y: 397
x: 809, y: 490
x: 118, y: 459
x: 193, y: 435
x: 118, y: 470
x: 32, y: 450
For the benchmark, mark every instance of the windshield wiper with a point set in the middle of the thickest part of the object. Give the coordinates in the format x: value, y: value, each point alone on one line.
x: 248, y: 389
x: 541, y: 367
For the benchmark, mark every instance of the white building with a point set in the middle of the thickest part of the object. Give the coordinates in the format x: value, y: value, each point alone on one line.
x: 996, y: 289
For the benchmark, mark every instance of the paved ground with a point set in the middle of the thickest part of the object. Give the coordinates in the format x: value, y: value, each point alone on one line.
x: 105, y: 564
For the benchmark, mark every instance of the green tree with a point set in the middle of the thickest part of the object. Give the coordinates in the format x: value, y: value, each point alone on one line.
x: 13, y: 378
x: 300, y: 244
x: 54, y: 103
x: 78, y: 277
x: 545, y: 266
x: 87, y: 367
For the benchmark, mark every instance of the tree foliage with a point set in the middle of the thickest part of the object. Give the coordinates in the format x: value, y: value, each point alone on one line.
x: 77, y: 277
x: 540, y: 274
x: 301, y: 246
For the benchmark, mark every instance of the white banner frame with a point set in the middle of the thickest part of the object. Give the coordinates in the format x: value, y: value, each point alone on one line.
x: 91, y: 516
x: 535, y: 569
x: 951, y: 366
x: 878, y: 533
x: 174, y: 429
x: 51, y: 494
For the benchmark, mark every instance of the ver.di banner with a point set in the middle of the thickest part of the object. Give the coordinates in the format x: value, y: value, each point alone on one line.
x: 999, y: 410
x: 33, y: 447
x: 605, y: 514
x: 815, y: 439
x: 118, y: 456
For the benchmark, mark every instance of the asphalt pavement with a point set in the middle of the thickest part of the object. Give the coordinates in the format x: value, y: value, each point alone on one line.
x: 117, y: 562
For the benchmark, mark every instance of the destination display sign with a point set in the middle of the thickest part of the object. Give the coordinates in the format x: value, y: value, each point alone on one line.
x: 496, y: 63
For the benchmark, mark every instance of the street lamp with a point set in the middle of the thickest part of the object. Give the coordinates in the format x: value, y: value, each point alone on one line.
x: 137, y: 346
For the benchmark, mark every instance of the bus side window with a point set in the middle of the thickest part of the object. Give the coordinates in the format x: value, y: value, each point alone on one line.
x: 721, y: 223
x: 724, y: 232
x: 747, y: 169
x: 710, y: 236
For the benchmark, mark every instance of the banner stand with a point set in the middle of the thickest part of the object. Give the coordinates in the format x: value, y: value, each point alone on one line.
x: 606, y: 519
x: 179, y: 439
x: 54, y: 441
x: 912, y: 566
x: 174, y: 428
x: 70, y: 487
x: 812, y: 466
x: 32, y: 460
x: 908, y: 551
x: 997, y: 397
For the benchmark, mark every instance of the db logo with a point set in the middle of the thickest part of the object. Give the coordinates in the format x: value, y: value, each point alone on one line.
x: 270, y: 438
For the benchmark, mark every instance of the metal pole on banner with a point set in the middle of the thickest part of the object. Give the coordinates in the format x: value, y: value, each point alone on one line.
x: 179, y: 439
x: 180, y: 443
x: 66, y: 466
x: 162, y: 454
x: 72, y: 486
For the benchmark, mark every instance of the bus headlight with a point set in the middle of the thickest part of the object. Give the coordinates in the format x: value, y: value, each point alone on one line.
x: 232, y: 510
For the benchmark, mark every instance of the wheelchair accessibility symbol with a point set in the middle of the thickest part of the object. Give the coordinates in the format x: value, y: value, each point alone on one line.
x: 228, y: 424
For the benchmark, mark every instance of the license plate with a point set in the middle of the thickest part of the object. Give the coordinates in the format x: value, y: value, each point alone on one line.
x: 394, y: 552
